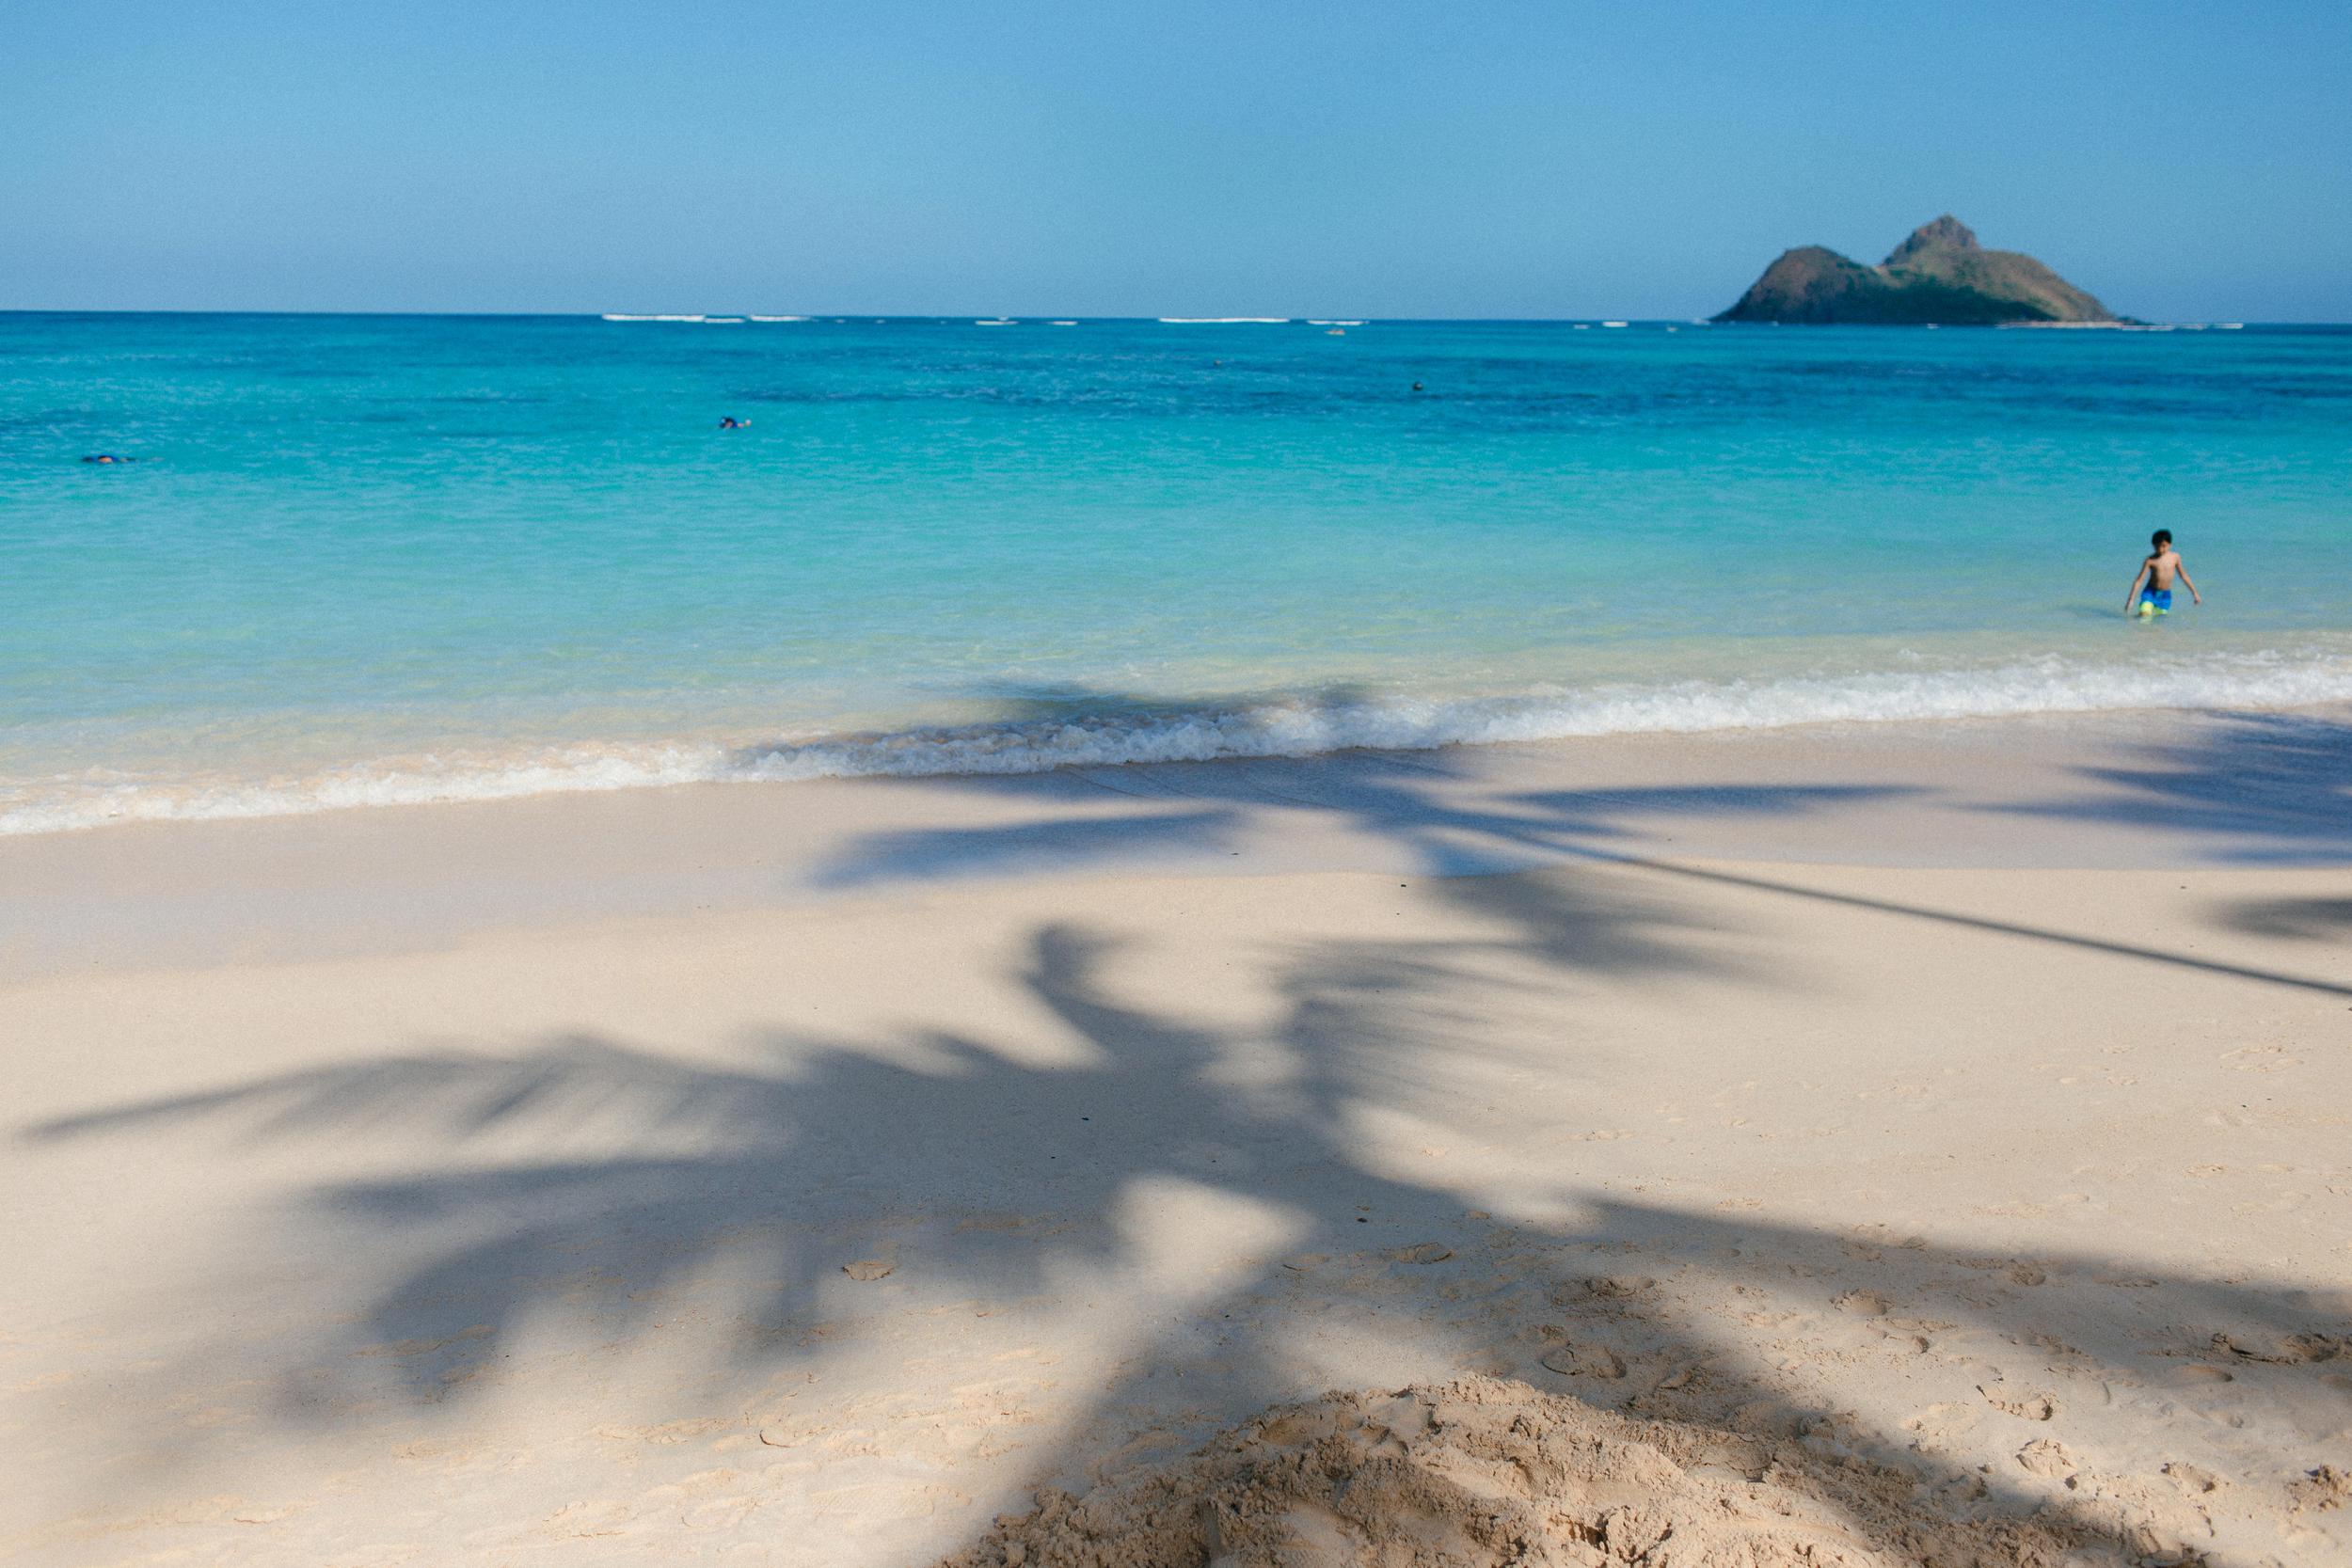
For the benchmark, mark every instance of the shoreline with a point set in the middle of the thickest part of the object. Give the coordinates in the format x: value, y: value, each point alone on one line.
x: 1113, y: 731
x: 2133, y: 789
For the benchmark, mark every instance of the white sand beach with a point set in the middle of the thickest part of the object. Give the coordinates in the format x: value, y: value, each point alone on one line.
x: 1876, y: 1144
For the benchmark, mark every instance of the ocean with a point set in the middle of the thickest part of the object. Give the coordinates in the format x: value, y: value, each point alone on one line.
x: 364, y: 560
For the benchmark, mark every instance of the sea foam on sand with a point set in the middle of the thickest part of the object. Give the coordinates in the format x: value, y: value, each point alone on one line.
x: 1274, y: 727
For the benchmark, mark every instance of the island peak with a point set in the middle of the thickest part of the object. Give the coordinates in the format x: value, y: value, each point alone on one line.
x: 1946, y: 233
x: 1939, y: 276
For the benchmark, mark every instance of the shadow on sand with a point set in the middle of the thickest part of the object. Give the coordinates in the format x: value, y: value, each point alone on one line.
x: 801, y: 1157
x: 2259, y: 788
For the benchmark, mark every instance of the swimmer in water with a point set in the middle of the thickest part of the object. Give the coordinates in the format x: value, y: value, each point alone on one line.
x: 107, y: 457
x: 731, y: 423
x: 2151, y: 591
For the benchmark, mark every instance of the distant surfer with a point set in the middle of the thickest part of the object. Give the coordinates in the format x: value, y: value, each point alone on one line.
x: 2151, y: 591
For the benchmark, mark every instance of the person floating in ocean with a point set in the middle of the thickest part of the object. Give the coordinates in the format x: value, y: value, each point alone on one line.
x: 107, y: 457
x: 731, y: 423
x: 2151, y: 591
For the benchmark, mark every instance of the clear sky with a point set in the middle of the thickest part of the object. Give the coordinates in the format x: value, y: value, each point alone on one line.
x: 2180, y: 160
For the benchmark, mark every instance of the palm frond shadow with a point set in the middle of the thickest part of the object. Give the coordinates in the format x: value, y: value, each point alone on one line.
x: 2290, y: 919
x: 2260, y: 788
x: 1385, y: 797
x: 832, y: 1135
x: 805, y: 1152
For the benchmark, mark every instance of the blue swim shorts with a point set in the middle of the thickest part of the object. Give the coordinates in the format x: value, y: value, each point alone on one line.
x: 2160, y: 597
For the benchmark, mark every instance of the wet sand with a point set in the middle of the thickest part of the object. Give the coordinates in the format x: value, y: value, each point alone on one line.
x: 1934, y: 1136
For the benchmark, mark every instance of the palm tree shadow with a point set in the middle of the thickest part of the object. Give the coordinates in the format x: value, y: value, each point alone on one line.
x: 1390, y: 798
x: 2290, y: 919
x: 801, y: 1159
x: 817, y: 1151
x: 2044, y: 1333
x: 2248, y: 788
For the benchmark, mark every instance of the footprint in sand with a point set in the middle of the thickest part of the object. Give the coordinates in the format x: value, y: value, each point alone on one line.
x: 2046, y: 1456
x: 2292, y: 1350
x: 2191, y: 1479
x: 867, y: 1269
x: 1420, y: 1252
x: 1880, y: 1236
x: 2027, y: 1405
x: 1944, y: 1428
x: 1863, y: 1303
x: 1585, y: 1360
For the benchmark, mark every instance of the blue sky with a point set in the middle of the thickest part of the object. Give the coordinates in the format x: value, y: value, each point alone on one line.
x: 2182, y: 161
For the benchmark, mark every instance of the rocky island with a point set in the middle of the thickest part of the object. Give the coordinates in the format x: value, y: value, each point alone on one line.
x: 1940, y: 275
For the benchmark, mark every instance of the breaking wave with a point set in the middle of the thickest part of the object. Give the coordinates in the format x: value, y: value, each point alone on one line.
x: 1289, y: 726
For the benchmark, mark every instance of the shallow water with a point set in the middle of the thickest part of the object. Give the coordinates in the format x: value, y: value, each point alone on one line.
x: 409, y: 557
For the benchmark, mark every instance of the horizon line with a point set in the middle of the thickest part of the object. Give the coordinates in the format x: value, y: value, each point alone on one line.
x: 949, y: 318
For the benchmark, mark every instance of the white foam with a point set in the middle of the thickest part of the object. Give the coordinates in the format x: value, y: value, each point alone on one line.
x: 1276, y: 727
x: 1223, y: 321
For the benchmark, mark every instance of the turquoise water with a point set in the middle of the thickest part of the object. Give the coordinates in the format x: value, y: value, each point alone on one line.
x: 410, y: 558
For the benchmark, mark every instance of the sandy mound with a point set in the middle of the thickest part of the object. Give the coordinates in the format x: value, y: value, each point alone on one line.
x: 1484, y: 1471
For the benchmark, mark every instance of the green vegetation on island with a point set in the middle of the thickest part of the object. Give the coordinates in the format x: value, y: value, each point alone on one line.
x: 1939, y: 276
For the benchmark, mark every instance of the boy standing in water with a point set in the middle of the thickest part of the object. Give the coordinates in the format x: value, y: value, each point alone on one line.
x: 2157, y: 572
